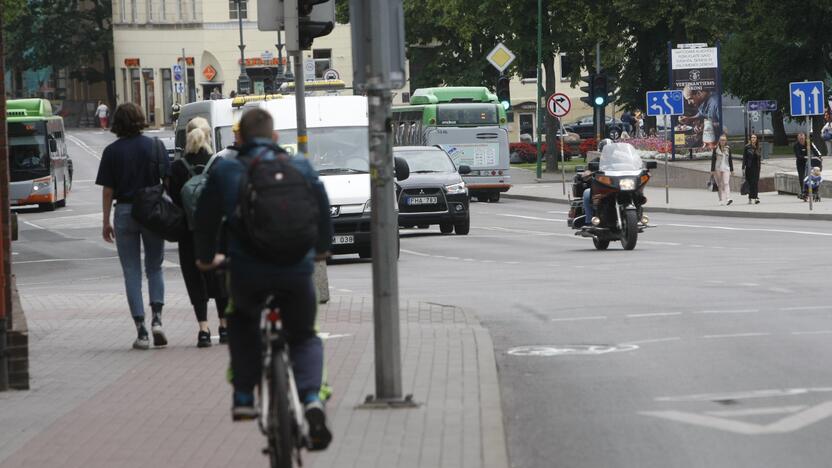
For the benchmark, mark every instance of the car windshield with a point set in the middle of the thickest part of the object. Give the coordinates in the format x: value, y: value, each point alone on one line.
x: 333, y: 150
x: 427, y: 161
x: 619, y: 157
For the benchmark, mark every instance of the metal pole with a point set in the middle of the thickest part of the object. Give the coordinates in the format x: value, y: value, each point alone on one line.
x: 599, y: 124
x: 562, y: 157
x: 184, y: 78
x: 5, y: 236
x: 539, y: 84
x: 243, y: 83
x: 762, y: 136
x: 666, y: 176
x: 809, y: 156
x: 300, y: 103
x: 281, y: 71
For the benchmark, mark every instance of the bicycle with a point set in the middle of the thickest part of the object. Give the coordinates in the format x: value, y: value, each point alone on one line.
x: 281, y: 417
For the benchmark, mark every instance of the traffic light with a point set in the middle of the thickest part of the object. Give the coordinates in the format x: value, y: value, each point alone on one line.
x: 600, y: 97
x: 589, y: 89
x: 504, y: 92
x: 316, y: 19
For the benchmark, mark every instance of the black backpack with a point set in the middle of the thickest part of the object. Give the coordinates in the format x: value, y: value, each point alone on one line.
x: 277, y: 207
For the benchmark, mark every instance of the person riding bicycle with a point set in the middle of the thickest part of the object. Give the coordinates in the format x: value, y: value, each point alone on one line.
x: 254, y: 279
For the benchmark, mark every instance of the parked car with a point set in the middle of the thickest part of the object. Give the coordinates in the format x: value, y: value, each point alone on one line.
x: 434, y: 193
x: 585, y: 127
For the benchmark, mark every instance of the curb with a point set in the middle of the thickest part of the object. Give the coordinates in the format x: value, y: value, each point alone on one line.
x: 693, y: 211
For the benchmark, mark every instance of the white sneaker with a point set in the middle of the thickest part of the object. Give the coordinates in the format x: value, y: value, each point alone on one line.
x: 721, y: 203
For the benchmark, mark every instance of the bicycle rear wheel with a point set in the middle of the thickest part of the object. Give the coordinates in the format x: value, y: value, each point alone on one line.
x: 280, y: 432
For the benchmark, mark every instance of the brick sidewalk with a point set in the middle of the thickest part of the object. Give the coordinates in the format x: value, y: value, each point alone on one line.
x: 97, y: 403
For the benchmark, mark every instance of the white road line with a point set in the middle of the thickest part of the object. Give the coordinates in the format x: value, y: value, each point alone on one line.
x: 29, y: 223
x: 758, y: 411
x: 577, y: 319
x: 815, y: 332
x: 726, y: 228
x: 56, y: 260
x: 749, y: 285
x: 83, y: 146
x: 675, y: 244
x: 658, y: 314
x: 736, y: 335
x: 530, y: 217
x: 737, y: 311
x: 817, y: 307
x: 657, y: 340
x: 526, y: 231
x: 418, y: 254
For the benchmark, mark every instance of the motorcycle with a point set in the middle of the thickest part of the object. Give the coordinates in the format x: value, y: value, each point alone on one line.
x: 617, y: 196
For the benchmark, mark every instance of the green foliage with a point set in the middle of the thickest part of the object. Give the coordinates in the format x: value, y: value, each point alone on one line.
x: 12, y: 9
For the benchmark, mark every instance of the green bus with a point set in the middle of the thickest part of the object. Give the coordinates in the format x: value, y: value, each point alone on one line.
x: 39, y: 166
x: 469, y: 123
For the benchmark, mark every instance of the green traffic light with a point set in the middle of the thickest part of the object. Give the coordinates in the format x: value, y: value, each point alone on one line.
x: 599, y: 101
x: 506, y: 105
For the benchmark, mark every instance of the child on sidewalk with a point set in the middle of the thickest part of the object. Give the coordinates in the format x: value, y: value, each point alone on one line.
x: 813, y: 182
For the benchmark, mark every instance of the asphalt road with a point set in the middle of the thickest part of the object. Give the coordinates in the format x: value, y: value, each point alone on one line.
x: 708, y: 344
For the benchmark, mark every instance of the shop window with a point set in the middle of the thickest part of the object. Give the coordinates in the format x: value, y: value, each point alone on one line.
x: 149, y: 95
x: 232, y: 9
x: 167, y: 94
x: 323, y: 61
x: 136, y: 86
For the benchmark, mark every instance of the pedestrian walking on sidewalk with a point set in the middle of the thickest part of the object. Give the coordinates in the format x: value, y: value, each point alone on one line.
x: 800, y: 160
x: 751, y: 166
x: 721, y: 168
x: 201, y: 286
x: 133, y: 162
x: 826, y: 132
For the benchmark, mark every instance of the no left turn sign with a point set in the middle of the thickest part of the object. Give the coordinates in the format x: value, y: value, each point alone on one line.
x: 558, y: 105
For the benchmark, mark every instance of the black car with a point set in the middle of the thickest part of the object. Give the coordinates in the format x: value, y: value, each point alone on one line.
x: 434, y: 193
x: 585, y: 128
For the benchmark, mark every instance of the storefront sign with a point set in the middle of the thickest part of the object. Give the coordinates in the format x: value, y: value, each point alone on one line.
x: 132, y: 63
x: 209, y: 72
x: 259, y: 62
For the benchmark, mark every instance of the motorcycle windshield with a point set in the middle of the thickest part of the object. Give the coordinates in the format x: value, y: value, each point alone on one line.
x: 621, y: 159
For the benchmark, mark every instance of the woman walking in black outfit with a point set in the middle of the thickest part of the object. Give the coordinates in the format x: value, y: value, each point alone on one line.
x: 751, y: 164
x: 200, y: 286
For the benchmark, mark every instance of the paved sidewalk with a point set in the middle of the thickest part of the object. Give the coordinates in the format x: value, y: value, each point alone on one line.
x: 97, y: 403
x: 682, y: 201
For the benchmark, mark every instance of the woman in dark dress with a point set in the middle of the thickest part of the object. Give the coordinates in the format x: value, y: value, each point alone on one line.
x: 751, y: 164
x: 200, y: 286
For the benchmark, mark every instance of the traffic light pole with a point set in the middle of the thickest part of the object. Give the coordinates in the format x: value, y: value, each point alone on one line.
x: 599, y: 112
x: 539, y: 83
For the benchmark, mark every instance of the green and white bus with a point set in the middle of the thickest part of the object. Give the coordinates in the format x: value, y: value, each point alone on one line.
x: 39, y: 166
x: 469, y: 124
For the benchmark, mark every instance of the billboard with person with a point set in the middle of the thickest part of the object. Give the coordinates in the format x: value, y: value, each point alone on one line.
x: 695, y: 71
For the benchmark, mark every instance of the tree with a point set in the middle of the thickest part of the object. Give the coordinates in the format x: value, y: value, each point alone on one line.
x: 64, y: 34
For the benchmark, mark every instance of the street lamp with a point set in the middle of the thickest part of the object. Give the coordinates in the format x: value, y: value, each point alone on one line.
x: 243, y: 82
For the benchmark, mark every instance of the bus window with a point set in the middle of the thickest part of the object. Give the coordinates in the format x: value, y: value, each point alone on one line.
x: 467, y: 114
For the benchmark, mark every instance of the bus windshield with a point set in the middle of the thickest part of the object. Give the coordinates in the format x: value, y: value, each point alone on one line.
x: 28, y: 153
x: 333, y: 150
x: 467, y: 114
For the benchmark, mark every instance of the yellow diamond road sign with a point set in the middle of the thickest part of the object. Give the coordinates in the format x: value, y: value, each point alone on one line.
x: 500, y: 57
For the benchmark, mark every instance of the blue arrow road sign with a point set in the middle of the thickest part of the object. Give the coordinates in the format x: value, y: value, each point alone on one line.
x: 806, y: 98
x: 665, y: 103
x: 764, y: 106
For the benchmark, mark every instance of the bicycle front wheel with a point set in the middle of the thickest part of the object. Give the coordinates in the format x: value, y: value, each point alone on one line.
x: 279, y: 430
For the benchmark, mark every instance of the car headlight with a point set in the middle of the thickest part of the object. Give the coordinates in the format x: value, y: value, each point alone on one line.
x: 456, y: 189
x: 368, y: 206
x: 42, y: 185
x: 627, y: 184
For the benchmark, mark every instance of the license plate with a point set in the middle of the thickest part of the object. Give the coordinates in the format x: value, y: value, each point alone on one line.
x: 422, y: 200
x: 340, y: 240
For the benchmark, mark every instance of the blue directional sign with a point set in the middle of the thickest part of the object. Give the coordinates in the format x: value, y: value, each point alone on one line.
x: 761, y: 106
x: 665, y: 103
x: 806, y: 98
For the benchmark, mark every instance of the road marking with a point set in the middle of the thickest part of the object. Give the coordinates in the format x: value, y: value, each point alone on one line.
x: 767, y: 393
x: 55, y: 260
x: 535, y: 218
x: 749, y: 285
x: 736, y: 335
x: 726, y: 228
x: 29, y: 223
x: 816, y: 332
x: 657, y: 340
x: 674, y: 244
x: 576, y: 319
x: 737, y: 311
x: 83, y: 146
x: 791, y: 423
x: 758, y: 411
x: 817, y: 307
x: 418, y: 254
x: 658, y: 314
x: 330, y: 336
x: 526, y: 231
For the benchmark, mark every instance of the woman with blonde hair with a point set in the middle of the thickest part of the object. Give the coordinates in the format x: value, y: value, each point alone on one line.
x: 201, y: 286
x: 721, y: 168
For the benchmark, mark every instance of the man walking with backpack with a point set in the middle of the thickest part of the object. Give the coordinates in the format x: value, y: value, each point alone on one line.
x: 277, y: 215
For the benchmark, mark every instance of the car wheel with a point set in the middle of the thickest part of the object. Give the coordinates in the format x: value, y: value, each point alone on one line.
x: 463, y: 228
x: 446, y: 228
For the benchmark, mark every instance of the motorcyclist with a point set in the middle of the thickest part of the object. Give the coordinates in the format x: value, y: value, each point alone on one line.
x: 586, y: 177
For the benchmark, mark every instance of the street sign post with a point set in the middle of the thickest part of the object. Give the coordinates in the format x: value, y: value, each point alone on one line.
x: 660, y: 104
x: 807, y: 99
x: 500, y: 57
x: 558, y: 105
x: 764, y: 106
x: 665, y: 103
x: 331, y: 74
x: 177, y: 72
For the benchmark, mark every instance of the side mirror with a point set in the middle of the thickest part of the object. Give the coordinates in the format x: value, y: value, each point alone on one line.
x: 53, y: 145
x: 651, y: 164
x: 579, y: 169
x: 594, y: 166
x: 402, y: 169
x: 463, y: 169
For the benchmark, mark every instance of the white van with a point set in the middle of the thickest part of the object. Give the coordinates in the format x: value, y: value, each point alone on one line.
x: 219, y: 113
x: 339, y: 151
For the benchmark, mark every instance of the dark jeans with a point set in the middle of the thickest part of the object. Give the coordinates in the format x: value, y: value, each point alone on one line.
x: 752, y: 176
x: 295, y: 296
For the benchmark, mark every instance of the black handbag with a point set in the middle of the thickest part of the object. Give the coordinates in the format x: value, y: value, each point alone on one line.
x: 744, y: 188
x: 153, y: 207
